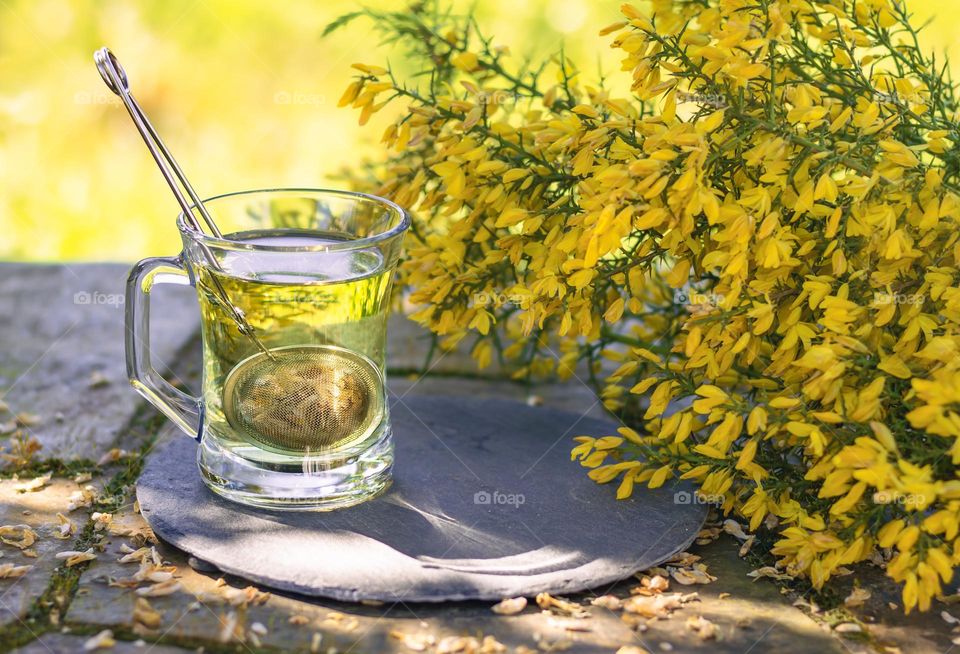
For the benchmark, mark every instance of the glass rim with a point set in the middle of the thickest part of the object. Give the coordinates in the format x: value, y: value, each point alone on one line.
x: 366, y: 241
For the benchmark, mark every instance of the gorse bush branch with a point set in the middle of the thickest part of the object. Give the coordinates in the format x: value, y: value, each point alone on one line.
x: 747, y: 241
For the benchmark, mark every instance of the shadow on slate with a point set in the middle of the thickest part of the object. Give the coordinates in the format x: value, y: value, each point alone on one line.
x: 485, y: 504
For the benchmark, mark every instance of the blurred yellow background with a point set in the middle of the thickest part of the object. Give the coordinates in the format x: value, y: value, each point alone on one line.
x: 243, y: 92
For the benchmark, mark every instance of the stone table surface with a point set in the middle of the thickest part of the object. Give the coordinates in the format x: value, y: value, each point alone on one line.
x: 74, y: 439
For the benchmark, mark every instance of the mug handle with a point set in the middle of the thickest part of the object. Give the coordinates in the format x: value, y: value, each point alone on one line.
x: 183, y: 409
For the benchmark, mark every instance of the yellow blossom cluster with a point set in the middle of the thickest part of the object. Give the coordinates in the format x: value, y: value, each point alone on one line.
x: 749, y: 244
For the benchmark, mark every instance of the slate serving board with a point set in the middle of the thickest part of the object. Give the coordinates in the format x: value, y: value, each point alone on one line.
x: 485, y: 504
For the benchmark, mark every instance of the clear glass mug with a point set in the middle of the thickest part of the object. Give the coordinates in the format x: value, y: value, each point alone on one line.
x: 295, y: 417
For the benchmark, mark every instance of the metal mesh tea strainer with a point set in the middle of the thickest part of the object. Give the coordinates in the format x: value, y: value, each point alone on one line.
x: 292, y: 399
x: 304, y: 397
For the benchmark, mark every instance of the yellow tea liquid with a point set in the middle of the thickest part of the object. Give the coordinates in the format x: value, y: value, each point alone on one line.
x: 292, y: 304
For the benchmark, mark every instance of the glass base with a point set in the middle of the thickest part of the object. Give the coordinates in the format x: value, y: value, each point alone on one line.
x: 321, y: 482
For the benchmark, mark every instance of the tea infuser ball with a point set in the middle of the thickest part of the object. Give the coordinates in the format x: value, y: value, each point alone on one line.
x: 306, y: 398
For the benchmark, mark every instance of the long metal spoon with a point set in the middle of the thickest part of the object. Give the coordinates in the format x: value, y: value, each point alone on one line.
x: 116, y: 80
x: 322, y: 395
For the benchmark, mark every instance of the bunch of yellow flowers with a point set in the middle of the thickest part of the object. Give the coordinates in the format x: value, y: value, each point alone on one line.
x: 750, y: 247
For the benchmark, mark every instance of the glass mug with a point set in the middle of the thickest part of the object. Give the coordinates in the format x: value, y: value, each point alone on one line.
x: 296, y: 416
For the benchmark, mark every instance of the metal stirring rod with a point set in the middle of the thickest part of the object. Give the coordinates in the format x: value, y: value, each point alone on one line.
x: 116, y: 80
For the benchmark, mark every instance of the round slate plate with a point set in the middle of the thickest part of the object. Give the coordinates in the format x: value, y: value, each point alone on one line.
x: 485, y: 504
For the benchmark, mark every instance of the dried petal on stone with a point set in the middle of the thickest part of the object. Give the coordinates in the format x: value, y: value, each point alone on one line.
x: 656, y: 583
x: 145, y: 615
x: 112, y: 456
x: 28, y: 419
x: 510, y: 606
x: 690, y: 576
x: 298, y: 620
x: 848, y: 628
x: 548, y: 602
x: 554, y: 645
x: 856, y: 597
x: 248, y: 596
x: 82, y: 498
x: 735, y: 529
x: 103, y: 640
x: 568, y: 624
x: 456, y: 644
x: 19, y: 536
x: 73, y: 557
x: 491, y: 645
x: 704, y: 628
x: 653, y: 606
x: 65, y: 527
x: 343, y: 621
x: 159, y: 576
x: 34, y: 484
x: 609, y: 602
x: 11, y: 571
x: 768, y: 571
x: 228, y: 627
x: 159, y: 590
x: 135, y: 555
x: 680, y: 559
x: 415, y: 642
x: 101, y: 520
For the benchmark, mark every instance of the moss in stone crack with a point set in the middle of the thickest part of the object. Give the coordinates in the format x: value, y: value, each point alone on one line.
x: 45, y: 612
x: 52, y: 467
x: 120, y: 486
x: 144, y: 424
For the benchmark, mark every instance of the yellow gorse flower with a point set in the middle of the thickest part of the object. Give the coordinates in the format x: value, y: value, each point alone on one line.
x: 750, y: 241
